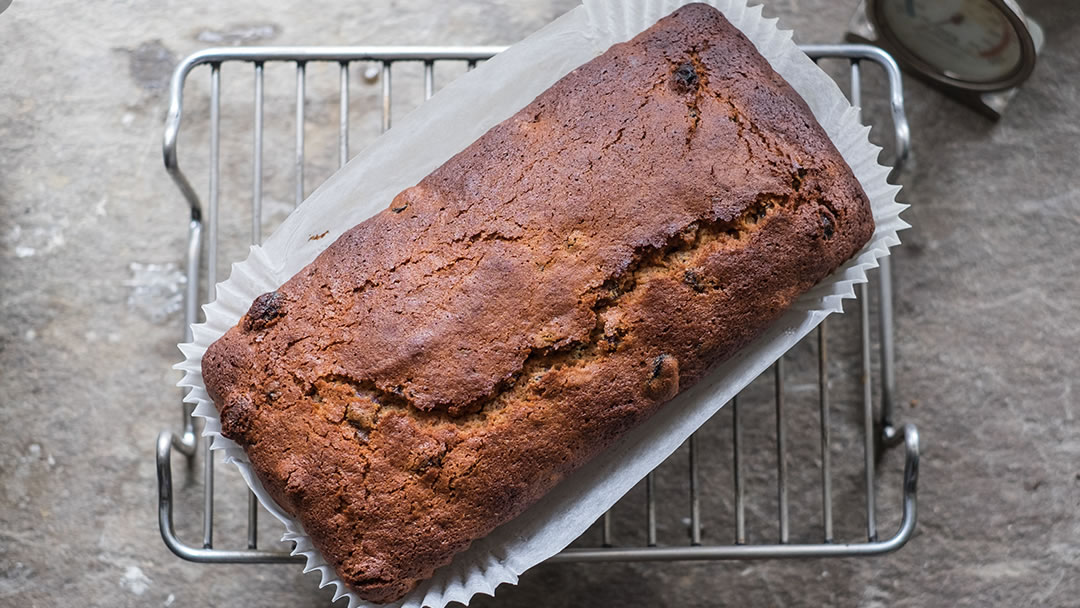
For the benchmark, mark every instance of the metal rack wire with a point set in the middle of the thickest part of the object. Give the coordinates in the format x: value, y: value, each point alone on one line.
x: 878, y: 431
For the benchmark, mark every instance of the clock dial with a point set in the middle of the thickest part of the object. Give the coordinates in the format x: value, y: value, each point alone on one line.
x: 968, y: 40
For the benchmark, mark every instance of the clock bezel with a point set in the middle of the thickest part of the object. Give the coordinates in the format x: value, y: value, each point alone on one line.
x: 1008, y: 8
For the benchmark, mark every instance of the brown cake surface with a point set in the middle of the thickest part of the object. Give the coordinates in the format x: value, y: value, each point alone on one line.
x: 445, y: 363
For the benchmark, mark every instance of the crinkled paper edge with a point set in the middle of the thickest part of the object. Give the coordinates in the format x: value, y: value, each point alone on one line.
x: 567, y: 511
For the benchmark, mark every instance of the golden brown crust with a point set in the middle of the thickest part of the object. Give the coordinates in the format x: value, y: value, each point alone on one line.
x: 445, y: 363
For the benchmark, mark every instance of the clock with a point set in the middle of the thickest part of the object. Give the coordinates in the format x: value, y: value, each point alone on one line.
x: 977, y: 51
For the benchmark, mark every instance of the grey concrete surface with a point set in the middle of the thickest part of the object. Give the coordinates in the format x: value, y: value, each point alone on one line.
x: 987, y: 331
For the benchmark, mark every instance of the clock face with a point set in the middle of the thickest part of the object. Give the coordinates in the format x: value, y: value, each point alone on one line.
x: 967, y: 40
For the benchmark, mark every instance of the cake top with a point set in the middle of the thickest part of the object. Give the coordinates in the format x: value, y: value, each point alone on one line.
x: 505, y: 250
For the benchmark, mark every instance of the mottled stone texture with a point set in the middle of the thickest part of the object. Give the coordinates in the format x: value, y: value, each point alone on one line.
x: 986, y: 301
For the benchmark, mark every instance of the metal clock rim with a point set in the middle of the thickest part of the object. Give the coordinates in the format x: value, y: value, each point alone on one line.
x: 1012, y: 12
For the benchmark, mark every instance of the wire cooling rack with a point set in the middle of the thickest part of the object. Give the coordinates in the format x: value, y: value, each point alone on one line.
x: 868, y: 416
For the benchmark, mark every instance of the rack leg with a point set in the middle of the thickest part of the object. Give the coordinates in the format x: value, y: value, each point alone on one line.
x: 695, y: 498
x: 781, y: 453
x: 301, y: 70
x: 869, y: 447
x: 343, y: 115
x: 826, y: 432
x: 737, y: 465
x: 889, y: 432
x: 386, y: 96
x: 650, y: 509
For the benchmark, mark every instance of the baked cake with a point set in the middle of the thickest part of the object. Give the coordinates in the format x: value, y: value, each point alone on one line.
x: 445, y: 363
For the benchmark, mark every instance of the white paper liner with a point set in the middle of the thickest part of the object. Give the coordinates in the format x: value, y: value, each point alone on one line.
x: 453, y: 119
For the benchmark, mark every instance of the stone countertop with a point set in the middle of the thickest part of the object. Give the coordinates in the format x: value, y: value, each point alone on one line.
x: 987, y: 293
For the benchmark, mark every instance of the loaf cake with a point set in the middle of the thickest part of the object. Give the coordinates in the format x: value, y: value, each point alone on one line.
x: 445, y: 363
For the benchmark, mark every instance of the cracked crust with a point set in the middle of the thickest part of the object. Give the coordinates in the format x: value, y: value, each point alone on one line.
x: 445, y: 363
